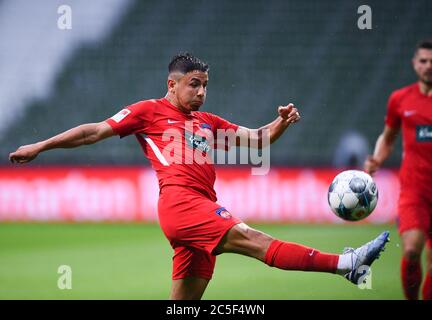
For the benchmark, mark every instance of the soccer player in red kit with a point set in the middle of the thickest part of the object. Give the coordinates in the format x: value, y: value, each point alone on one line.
x: 177, y: 138
x: 410, y: 109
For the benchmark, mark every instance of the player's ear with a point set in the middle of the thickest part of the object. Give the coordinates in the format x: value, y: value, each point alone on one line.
x: 173, y: 79
x: 171, y: 83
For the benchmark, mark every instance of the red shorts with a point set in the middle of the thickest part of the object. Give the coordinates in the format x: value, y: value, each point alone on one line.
x: 415, y: 211
x: 194, y: 226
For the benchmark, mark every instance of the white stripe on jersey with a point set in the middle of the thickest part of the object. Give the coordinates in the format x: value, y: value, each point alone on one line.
x: 156, y: 151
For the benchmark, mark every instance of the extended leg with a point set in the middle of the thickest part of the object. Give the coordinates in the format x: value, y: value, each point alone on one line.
x: 292, y: 256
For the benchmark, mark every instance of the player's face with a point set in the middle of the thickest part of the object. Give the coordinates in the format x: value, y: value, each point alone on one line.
x: 422, y: 63
x: 191, y: 90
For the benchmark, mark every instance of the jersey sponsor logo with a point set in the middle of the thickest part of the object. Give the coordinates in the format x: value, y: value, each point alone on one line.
x: 197, y: 142
x: 408, y: 113
x: 121, y: 115
x: 424, y: 133
x: 223, y: 213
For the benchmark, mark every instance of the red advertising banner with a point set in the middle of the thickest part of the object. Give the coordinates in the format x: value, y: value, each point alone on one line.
x: 131, y: 193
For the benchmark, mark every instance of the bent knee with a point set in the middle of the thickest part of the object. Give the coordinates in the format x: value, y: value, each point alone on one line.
x: 258, y: 237
x: 413, y: 243
x: 245, y: 240
x: 412, y: 253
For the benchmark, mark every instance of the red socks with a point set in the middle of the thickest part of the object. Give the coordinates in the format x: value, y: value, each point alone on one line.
x: 411, y: 274
x: 292, y: 256
x: 427, y: 287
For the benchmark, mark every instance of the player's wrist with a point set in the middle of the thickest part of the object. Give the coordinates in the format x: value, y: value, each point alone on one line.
x: 376, y: 163
x: 41, y: 146
x: 284, y: 122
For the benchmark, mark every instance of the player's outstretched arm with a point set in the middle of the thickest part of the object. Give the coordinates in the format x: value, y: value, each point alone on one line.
x: 383, y: 148
x: 84, y: 134
x: 272, y: 131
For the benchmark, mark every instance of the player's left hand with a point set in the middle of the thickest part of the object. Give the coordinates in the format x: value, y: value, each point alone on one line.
x: 289, y: 113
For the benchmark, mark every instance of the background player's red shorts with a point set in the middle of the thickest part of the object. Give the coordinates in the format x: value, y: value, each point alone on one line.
x: 194, y: 226
x: 415, y: 211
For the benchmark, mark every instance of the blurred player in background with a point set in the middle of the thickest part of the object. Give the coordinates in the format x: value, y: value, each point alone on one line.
x: 197, y: 227
x: 410, y: 109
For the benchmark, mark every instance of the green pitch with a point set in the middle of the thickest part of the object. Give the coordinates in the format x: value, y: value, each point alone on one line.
x: 133, y: 261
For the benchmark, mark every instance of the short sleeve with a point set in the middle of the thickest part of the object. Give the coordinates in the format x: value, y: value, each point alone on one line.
x: 223, y: 140
x: 134, y: 118
x: 392, y: 118
x: 220, y: 123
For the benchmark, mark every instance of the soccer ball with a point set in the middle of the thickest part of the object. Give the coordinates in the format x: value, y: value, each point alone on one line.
x: 353, y: 195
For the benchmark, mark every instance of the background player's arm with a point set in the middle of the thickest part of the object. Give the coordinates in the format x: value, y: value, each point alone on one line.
x: 272, y: 131
x: 84, y: 134
x: 383, y: 149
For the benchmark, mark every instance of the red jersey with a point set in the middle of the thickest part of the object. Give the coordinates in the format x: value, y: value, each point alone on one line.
x: 411, y: 110
x: 177, y: 144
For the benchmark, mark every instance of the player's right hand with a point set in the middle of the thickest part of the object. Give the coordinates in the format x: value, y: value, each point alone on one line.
x: 24, y: 154
x: 371, y: 165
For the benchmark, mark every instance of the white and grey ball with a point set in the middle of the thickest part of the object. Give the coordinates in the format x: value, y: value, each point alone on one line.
x: 353, y: 195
